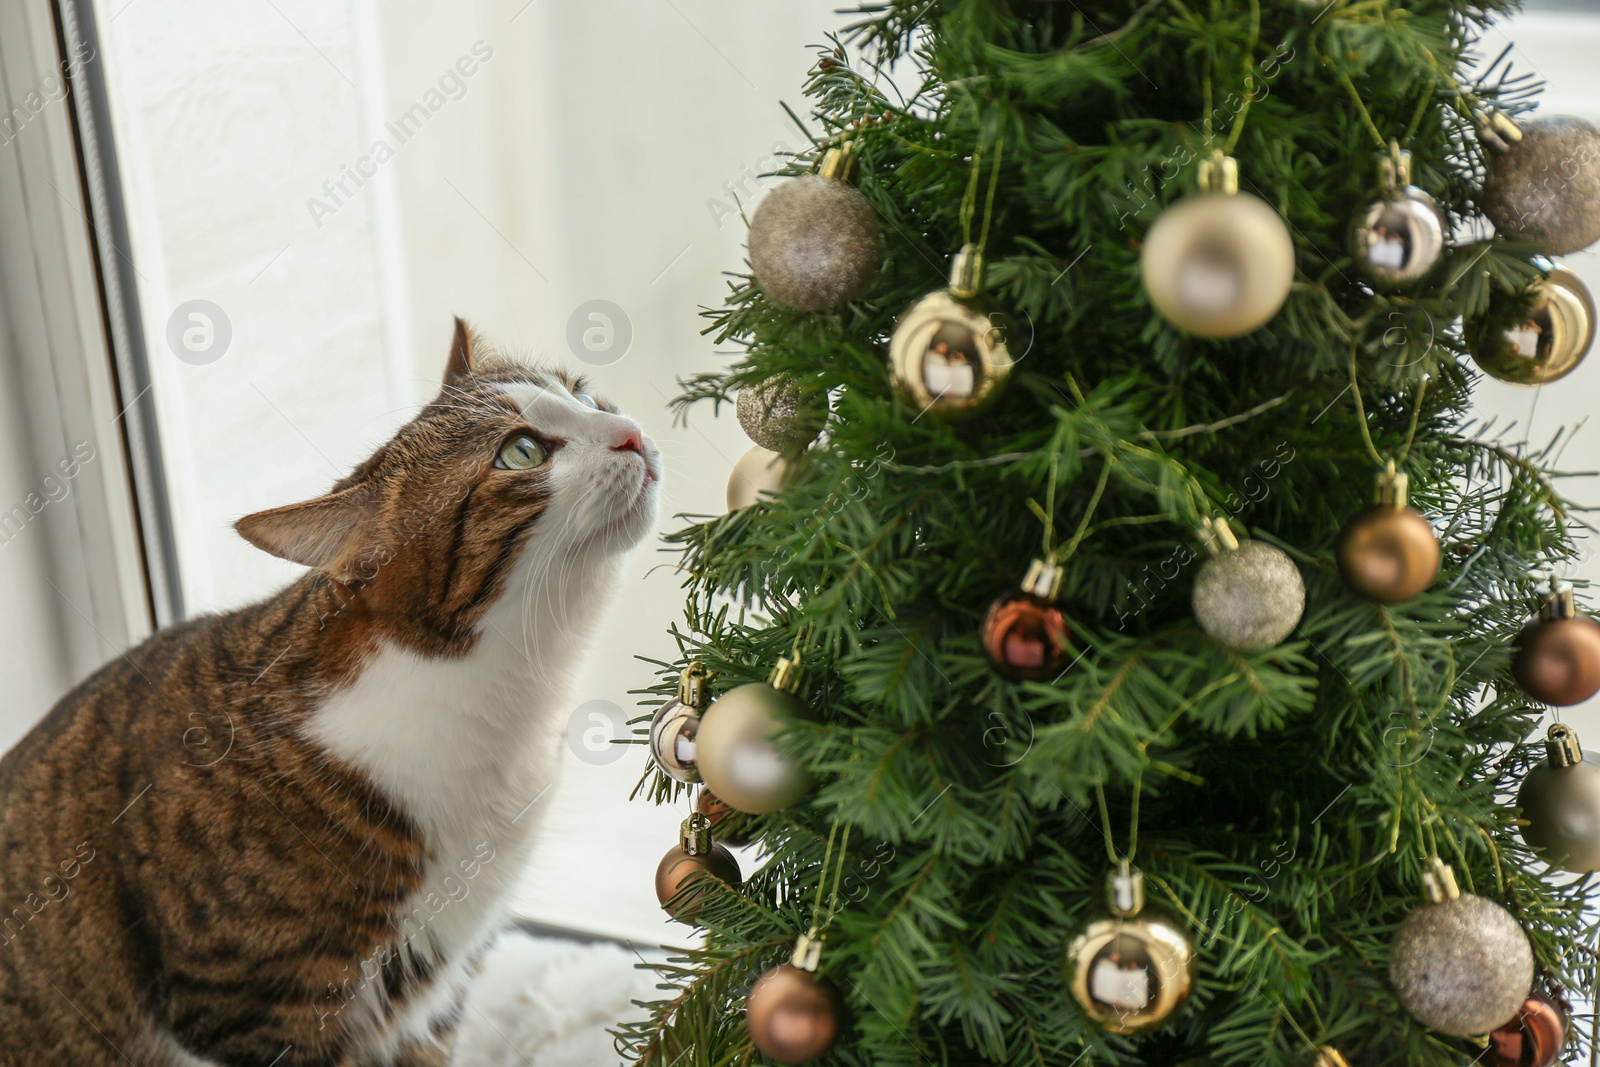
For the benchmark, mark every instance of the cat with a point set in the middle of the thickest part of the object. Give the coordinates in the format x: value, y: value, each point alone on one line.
x: 283, y: 835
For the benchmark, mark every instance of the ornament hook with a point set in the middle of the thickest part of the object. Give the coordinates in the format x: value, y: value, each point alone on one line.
x: 1219, y: 173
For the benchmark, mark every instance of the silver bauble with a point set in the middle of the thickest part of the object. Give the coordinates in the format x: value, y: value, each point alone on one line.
x: 773, y: 416
x: 737, y: 757
x: 1462, y: 965
x: 1250, y: 597
x: 759, y: 472
x: 673, y: 731
x: 1399, y: 238
x: 1560, y: 802
x: 1544, y: 189
x: 814, y: 241
x: 1218, y: 264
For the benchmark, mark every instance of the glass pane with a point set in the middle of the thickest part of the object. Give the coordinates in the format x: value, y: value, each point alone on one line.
x: 315, y: 189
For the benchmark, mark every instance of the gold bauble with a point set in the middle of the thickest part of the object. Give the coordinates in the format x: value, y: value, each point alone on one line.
x: 793, y: 1015
x: 1547, y: 345
x: 1461, y: 964
x: 758, y: 473
x: 1389, y: 552
x: 1543, y: 183
x: 1131, y: 971
x: 948, y: 353
x: 738, y: 759
x: 1560, y: 802
x: 1218, y: 263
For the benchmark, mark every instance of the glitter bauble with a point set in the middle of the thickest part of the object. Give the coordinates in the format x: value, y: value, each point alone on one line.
x: 737, y: 756
x: 1545, y: 188
x: 1218, y: 264
x: 773, y: 416
x: 1250, y: 597
x: 814, y: 243
x: 793, y: 1015
x: 1462, y: 966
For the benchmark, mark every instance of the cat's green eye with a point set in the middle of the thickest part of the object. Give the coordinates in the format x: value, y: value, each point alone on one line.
x: 585, y: 398
x: 520, y: 453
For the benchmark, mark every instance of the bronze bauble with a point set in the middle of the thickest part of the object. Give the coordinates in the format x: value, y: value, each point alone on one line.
x: 775, y: 417
x: 814, y: 243
x: 1535, y: 1038
x: 1218, y: 264
x: 759, y: 473
x: 1389, y: 554
x: 729, y: 824
x: 678, y: 867
x: 1557, y: 661
x: 737, y: 757
x: 1548, y: 344
x: 1544, y: 189
x: 1249, y: 597
x: 793, y: 1015
x: 1560, y: 802
x: 1399, y: 238
x: 672, y: 740
x: 1461, y: 966
x: 1024, y: 634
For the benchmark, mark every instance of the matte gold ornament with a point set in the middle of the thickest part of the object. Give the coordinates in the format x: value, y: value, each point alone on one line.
x: 774, y: 416
x: 1218, y: 263
x: 1460, y: 964
x: 695, y: 856
x: 1248, y: 597
x: 1545, y: 346
x: 794, y: 1016
x: 737, y: 757
x: 1543, y: 182
x: 759, y: 473
x: 1328, y: 1056
x: 1557, y: 660
x: 1024, y: 634
x: 1132, y: 971
x: 1389, y: 552
x: 1535, y: 1038
x: 948, y: 353
x: 1400, y: 237
x: 814, y: 241
x: 1560, y: 802
x: 676, y: 723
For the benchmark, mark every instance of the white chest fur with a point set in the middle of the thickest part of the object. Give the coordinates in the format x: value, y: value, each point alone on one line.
x: 467, y: 748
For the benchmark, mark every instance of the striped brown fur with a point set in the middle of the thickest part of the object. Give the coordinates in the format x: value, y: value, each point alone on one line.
x: 231, y: 880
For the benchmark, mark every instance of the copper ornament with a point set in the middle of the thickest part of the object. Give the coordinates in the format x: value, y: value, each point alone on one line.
x: 1535, y: 1038
x: 1461, y: 964
x: 695, y: 856
x: 814, y: 241
x: 1389, y: 552
x: 948, y: 352
x: 727, y: 823
x: 737, y: 757
x: 1560, y: 802
x: 1557, y: 659
x: 793, y: 1015
x: 1543, y: 183
x: 1218, y: 263
x: 1132, y: 971
x: 1546, y: 344
x: 1024, y: 634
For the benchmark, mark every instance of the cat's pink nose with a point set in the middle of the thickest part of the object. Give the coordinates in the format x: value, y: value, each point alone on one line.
x: 631, y: 439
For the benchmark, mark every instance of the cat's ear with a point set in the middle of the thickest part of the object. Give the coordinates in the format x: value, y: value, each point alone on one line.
x: 460, y: 365
x: 329, y: 533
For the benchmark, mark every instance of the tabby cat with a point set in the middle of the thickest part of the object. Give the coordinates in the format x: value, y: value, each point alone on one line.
x: 283, y: 835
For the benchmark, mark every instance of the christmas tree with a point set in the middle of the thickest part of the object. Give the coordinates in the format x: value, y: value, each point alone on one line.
x: 1129, y: 650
